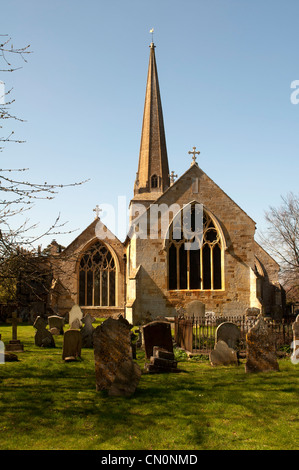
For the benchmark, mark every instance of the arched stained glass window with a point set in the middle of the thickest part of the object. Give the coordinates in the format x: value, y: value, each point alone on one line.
x: 195, y: 269
x: 97, y: 277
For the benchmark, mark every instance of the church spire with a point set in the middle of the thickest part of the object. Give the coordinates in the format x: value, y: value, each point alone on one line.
x: 153, y: 170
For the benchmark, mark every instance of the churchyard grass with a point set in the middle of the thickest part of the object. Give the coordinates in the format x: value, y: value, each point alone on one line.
x: 48, y: 404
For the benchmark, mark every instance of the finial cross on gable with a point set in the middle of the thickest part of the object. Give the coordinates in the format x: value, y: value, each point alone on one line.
x: 194, y: 153
x: 97, y: 210
x: 172, y: 177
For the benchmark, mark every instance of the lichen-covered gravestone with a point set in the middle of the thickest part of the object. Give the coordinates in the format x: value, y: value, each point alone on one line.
x: 115, y: 369
x: 260, y: 351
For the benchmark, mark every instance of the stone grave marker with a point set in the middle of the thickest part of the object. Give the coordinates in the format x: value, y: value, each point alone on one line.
x: 87, y: 331
x: 196, y: 309
x: 161, y: 361
x: 43, y: 337
x: 157, y: 333
x: 260, y: 348
x: 75, y: 314
x: 72, y: 344
x: 14, y: 344
x: 56, y: 324
x: 115, y: 369
x: 229, y: 333
x: 222, y: 354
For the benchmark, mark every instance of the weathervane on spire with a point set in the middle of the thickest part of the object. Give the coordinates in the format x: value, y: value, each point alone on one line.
x: 152, y: 33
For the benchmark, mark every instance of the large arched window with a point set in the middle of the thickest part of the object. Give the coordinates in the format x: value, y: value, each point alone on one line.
x: 97, y: 276
x: 199, y: 268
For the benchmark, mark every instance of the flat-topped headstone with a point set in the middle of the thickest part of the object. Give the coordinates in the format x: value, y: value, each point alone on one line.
x: 222, y: 354
x: 196, y: 309
x: 72, y: 344
x: 87, y: 331
x: 115, y: 369
x: 75, y: 313
x: 260, y: 348
x: 56, y: 324
x: 157, y: 333
x: 229, y: 333
x: 43, y: 337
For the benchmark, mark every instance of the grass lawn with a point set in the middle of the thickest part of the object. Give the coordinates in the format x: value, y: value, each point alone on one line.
x: 48, y: 404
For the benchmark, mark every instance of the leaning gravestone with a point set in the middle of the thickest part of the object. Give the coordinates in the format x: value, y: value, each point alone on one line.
x: 115, y: 369
x: 222, y: 354
x: 43, y: 337
x: 229, y: 333
x: 157, y: 333
x: 260, y: 351
x: 72, y: 344
x: 56, y: 324
x: 196, y: 309
x: 87, y: 331
x: 75, y: 314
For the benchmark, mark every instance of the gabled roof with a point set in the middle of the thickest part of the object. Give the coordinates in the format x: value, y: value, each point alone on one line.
x: 193, y: 167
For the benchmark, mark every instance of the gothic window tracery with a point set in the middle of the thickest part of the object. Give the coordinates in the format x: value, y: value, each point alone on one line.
x: 97, y: 277
x: 199, y: 268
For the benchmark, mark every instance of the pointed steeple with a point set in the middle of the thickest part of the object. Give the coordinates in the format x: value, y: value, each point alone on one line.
x: 152, y: 177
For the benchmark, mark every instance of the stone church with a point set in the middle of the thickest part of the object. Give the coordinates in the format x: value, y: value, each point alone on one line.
x: 151, y: 274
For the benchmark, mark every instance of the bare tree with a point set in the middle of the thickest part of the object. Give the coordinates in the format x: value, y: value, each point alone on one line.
x: 281, y: 240
x: 19, y: 257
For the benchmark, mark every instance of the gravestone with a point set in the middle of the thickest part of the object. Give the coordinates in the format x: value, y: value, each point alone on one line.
x: 161, y: 361
x: 229, y: 333
x: 115, y: 369
x: 75, y: 313
x: 87, y: 331
x: 76, y: 324
x: 43, y: 337
x: 196, y: 309
x: 14, y: 344
x: 260, y: 348
x: 295, y: 354
x: 72, y: 344
x: 222, y: 354
x: 157, y: 333
x: 56, y: 324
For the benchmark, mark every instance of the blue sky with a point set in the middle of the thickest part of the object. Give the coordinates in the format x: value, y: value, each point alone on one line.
x: 225, y: 71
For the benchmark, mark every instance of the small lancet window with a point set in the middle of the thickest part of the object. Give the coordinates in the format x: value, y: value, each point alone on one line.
x: 154, y: 181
